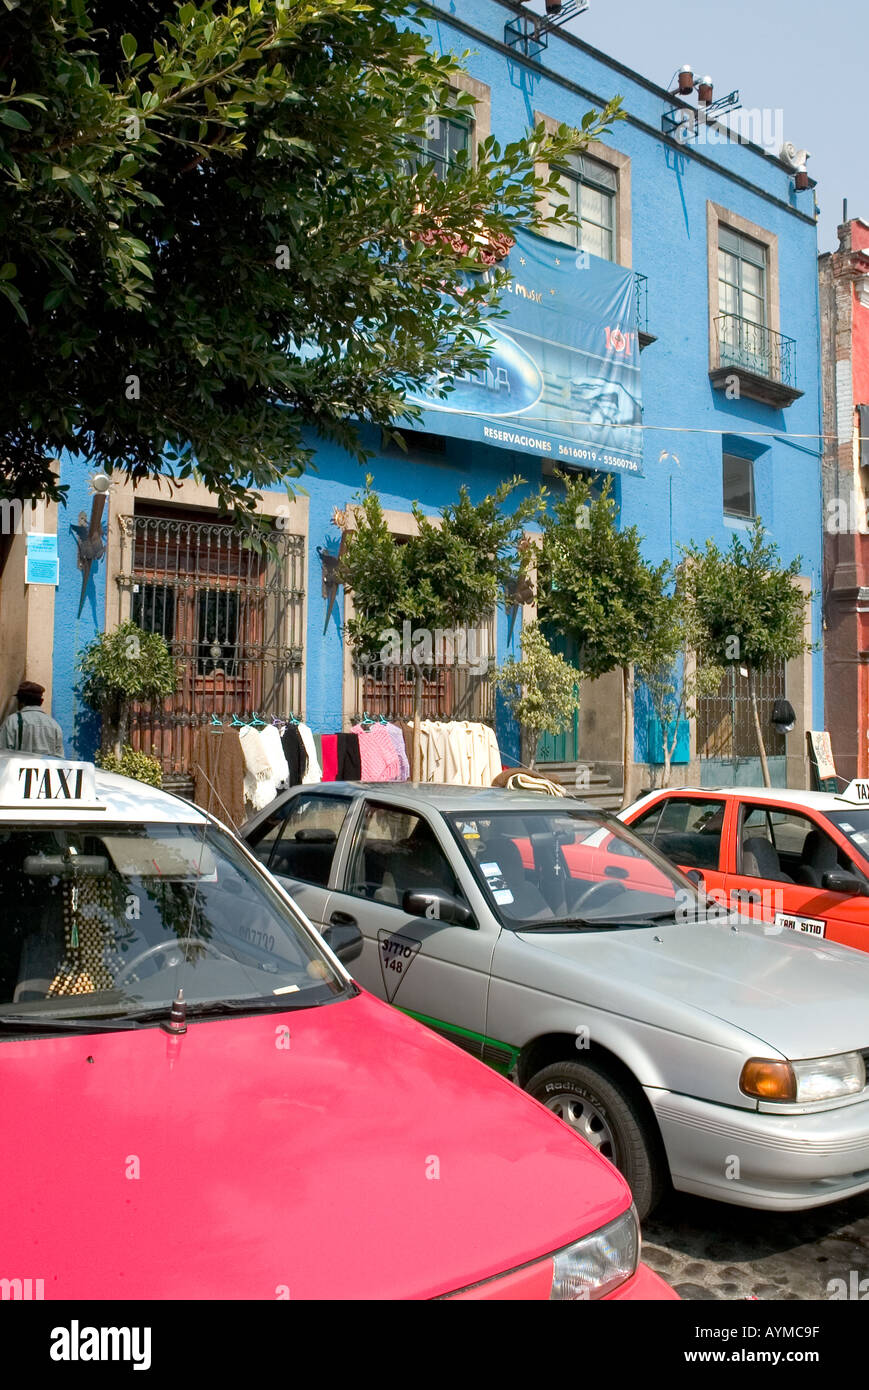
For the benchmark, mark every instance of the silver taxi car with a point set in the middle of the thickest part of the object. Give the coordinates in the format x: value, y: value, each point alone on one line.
x: 686, y: 1043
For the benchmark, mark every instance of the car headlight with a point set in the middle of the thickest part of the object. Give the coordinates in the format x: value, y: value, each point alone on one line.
x: 591, y: 1267
x: 816, y: 1078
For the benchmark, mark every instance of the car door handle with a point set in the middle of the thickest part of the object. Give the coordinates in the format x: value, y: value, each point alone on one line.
x: 612, y: 872
x: 342, y: 919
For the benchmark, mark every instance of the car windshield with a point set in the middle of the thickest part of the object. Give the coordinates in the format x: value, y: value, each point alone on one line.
x: 571, y: 869
x: 113, y: 920
x: 855, y: 825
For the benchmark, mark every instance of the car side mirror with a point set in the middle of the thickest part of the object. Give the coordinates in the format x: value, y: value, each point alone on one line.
x: 437, y: 907
x: 697, y: 878
x: 838, y: 881
x: 345, y: 939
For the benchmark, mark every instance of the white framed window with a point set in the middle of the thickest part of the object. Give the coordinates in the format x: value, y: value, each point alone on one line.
x: 592, y: 196
x: 445, y: 139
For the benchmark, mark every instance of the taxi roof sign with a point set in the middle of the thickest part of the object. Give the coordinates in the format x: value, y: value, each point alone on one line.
x: 856, y: 791
x: 47, y: 784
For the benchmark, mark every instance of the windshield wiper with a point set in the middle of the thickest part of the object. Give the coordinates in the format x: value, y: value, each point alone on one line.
x: 51, y: 1023
x: 568, y: 924
x: 221, y: 1008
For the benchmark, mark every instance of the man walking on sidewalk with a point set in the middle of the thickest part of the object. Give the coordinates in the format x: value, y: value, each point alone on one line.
x: 32, y: 730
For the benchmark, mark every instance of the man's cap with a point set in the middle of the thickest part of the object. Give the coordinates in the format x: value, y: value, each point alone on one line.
x: 29, y: 690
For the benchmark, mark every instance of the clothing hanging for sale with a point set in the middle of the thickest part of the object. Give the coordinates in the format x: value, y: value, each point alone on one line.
x: 329, y: 751
x: 401, y: 750
x: 259, y: 785
x: 280, y: 768
x: 349, y: 758
x: 313, y: 771
x: 377, y: 754
x: 458, y: 753
x: 218, y: 774
x: 294, y: 751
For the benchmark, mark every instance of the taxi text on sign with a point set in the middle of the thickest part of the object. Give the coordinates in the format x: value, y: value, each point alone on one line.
x: 42, y: 782
x: 858, y: 791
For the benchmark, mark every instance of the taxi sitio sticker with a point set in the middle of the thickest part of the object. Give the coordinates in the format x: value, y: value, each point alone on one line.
x: 397, y: 955
x: 810, y: 926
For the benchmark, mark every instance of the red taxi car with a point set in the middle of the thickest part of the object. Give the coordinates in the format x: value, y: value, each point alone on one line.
x: 798, y: 860
x: 199, y: 1102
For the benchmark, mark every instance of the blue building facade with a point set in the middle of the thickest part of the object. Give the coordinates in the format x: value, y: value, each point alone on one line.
x: 726, y: 340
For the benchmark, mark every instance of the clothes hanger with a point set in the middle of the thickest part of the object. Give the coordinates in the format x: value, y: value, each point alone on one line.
x: 237, y: 723
x: 367, y: 720
x: 256, y: 722
x: 215, y: 722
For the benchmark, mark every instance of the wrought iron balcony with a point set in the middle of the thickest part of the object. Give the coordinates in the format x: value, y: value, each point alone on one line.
x: 641, y: 287
x: 763, y: 363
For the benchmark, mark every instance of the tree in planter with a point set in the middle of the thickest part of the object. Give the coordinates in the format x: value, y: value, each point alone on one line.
x: 449, y: 576
x: 747, y: 610
x: 216, y: 233
x: 596, y: 587
x: 119, y: 668
x: 541, y: 691
x: 668, y: 668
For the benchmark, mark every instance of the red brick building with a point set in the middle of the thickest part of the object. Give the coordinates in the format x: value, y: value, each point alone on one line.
x: 844, y: 291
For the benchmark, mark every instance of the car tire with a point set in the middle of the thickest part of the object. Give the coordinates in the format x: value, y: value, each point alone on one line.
x: 606, y: 1113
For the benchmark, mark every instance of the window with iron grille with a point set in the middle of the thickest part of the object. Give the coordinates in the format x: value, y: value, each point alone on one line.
x: 725, y: 720
x: 233, y: 621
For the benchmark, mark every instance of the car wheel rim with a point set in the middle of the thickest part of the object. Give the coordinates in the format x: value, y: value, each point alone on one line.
x: 586, y: 1119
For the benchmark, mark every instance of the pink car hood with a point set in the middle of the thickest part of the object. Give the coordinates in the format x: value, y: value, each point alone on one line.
x: 368, y: 1159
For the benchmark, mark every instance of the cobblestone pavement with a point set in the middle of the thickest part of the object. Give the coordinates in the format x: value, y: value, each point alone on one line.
x: 707, y: 1250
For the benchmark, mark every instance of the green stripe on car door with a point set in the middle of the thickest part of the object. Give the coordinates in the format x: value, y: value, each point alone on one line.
x: 481, y: 1039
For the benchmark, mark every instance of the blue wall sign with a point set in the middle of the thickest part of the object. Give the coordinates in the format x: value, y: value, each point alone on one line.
x: 563, y: 380
x: 41, y: 562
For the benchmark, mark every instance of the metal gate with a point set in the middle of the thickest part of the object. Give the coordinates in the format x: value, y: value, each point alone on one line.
x: 726, y: 738
x: 453, y: 686
x: 233, y: 620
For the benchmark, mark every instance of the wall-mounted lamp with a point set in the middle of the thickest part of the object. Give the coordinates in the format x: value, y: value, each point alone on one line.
x: 331, y: 582
x: 783, y: 716
x: 686, y: 80
x: 704, y: 89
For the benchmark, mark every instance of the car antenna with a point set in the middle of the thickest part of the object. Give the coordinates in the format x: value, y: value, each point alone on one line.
x: 177, y: 1020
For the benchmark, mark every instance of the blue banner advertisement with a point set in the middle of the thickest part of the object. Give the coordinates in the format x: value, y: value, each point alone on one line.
x: 563, y: 380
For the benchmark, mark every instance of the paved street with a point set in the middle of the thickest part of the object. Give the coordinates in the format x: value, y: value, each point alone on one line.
x: 707, y: 1250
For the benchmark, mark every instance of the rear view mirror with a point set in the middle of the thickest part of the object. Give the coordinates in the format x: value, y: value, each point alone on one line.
x: 315, y: 837
x: 838, y: 881
x: 437, y: 907
x: 66, y: 866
